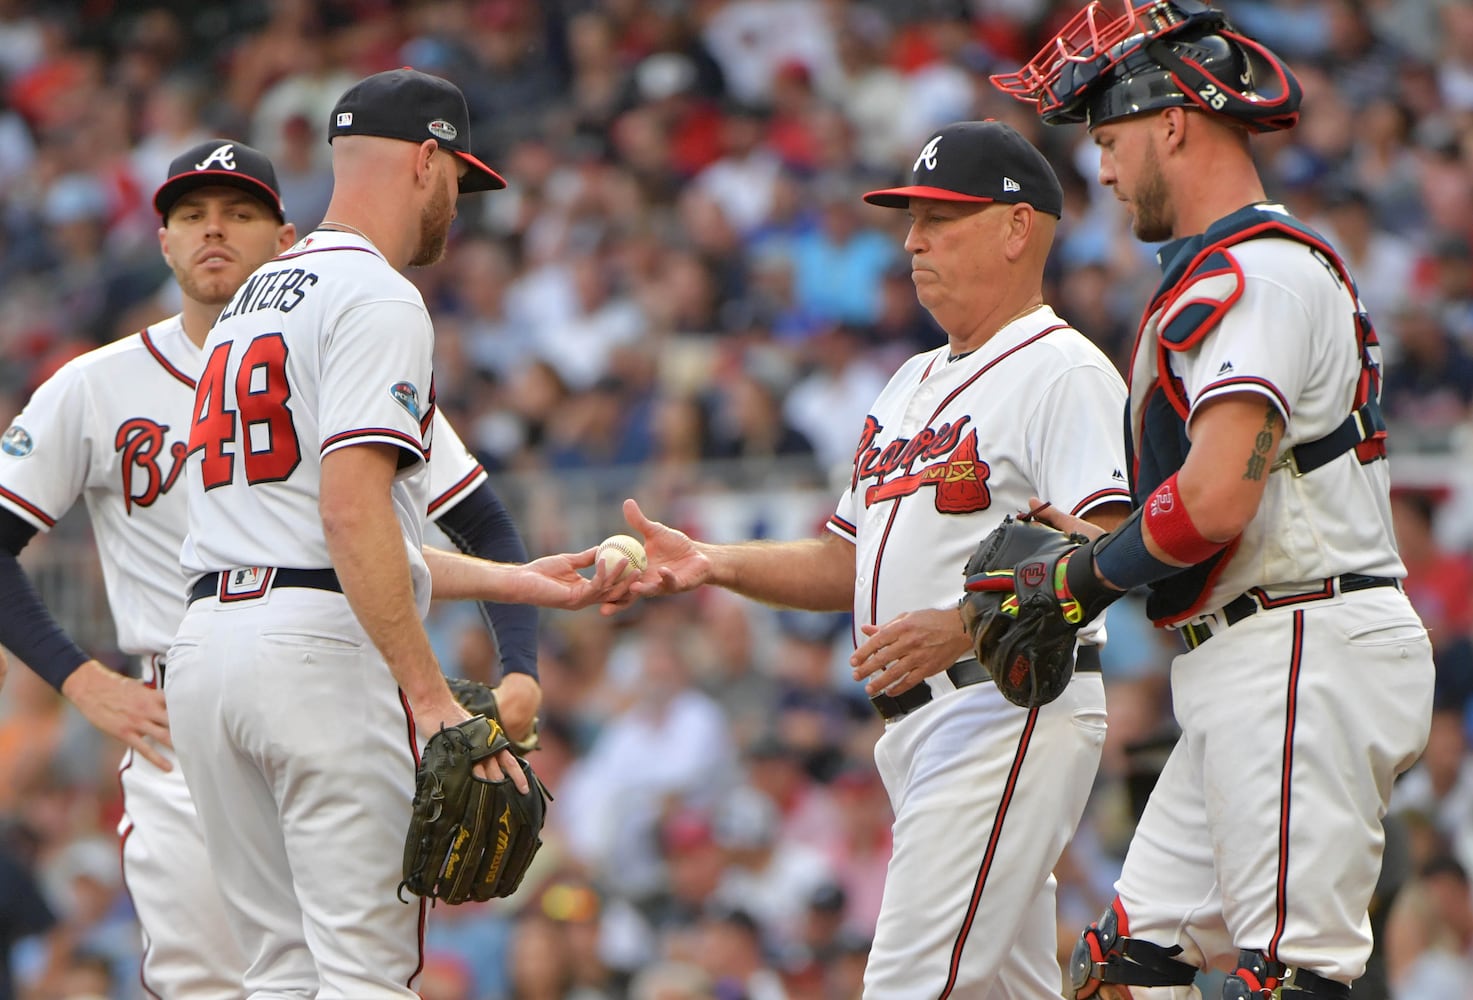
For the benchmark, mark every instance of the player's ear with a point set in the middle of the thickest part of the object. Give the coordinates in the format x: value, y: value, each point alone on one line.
x: 286, y: 235
x: 1020, y: 224
x: 164, y: 246
x: 424, y: 158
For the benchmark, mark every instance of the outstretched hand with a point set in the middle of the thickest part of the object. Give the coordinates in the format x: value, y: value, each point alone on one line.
x: 554, y: 582
x: 675, y: 562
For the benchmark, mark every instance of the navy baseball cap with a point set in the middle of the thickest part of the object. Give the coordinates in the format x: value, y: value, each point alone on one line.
x: 413, y: 106
x: 220, y: 161
x: 984, y: 161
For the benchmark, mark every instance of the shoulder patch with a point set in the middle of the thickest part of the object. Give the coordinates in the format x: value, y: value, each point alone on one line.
x: 407, y: 396
x: 1200, y: 299
x: 17, y: 441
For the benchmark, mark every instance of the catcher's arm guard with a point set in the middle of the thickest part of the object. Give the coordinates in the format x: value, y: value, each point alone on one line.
x: 470, y: 838
x: 480, y: 699
x: 1022, y: 626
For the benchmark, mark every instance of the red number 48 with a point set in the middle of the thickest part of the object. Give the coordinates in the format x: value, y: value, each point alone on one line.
x: 270, y: 450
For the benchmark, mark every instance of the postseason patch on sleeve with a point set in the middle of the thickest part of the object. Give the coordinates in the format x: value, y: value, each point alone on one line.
x: 407, y: 396
x: 17, y: 441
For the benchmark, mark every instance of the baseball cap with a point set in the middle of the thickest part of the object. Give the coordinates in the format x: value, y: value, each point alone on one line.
x: 984, y: 161
x: 220, y: 161
x: 413, y: 106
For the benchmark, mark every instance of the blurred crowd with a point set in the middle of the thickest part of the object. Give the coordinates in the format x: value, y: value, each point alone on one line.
x: 682, y: 278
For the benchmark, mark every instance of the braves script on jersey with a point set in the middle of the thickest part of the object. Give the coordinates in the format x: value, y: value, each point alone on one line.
x: 111, y: 426
x: 950, y: 447
x: 985, y: 794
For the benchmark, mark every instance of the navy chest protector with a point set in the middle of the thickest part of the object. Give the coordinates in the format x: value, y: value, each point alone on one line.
x: 1156, y: 432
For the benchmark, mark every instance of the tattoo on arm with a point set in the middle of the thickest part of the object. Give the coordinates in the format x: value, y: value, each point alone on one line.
x: 1262, y: 444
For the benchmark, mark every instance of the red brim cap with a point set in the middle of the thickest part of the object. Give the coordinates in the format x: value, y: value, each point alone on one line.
x: 900, y: 197
x: 480, y: 177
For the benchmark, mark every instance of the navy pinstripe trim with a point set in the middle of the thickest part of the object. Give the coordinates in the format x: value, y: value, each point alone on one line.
x: 28, y: 507
x: 158, y: 356
x: 398, y: 437
x: 1251, y: 383
x: 455, y: 491
x: 1099, y: 497
x: 990, y: 854
x: 1286, y: 782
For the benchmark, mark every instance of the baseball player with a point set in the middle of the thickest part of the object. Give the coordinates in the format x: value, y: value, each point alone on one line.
x: 985, y: 794
x: 301, y: 677
x: 108, y: 426
x: 1262, y: 527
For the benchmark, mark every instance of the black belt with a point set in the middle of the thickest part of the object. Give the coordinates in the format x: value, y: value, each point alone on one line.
x: 1243, y: 605
x: 965, y: 673
x: 314, y: 579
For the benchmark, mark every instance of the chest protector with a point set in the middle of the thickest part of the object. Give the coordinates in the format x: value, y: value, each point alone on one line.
x: 1201, y: 283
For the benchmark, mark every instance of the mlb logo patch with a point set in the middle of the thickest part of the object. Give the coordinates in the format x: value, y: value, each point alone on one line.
x: 345, y: 118
x: 245, y: 582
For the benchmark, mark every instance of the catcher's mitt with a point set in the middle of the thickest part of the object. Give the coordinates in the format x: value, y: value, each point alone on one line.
x: 479, y: 699
x: 1022, y: 626
x: 470, y: 838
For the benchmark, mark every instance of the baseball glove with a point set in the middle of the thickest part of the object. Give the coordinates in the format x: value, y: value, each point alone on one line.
x: 480, y: 699
x: 470, y: 838
x: 1022, y: 627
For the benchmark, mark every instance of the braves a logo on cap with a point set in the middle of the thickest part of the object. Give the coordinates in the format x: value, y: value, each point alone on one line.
x: 928, y: 155
x: 441, y: 129
x: 17, y: 442
x: 224, y: 156
x: 407, y: 396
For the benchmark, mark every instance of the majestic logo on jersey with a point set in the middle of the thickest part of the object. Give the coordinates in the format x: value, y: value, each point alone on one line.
x: 407, y: 396
x: 928, y: 155
x: 959, y: 477
x: 140, y: 444
x: 441, y: 129
x: 224, y: 155
x: 17, y: 441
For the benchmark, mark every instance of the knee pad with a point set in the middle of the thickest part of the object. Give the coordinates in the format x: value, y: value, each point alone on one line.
x: 1256, y: 978
x: 1104, y: 954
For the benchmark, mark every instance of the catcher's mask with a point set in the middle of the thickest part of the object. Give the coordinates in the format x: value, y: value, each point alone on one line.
x: 1160, y: 54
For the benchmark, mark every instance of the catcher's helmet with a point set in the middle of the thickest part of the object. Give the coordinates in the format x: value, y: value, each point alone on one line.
x: 1160, y: 54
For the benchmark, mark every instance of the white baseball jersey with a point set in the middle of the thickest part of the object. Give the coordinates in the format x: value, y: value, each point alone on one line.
x: 1263, y: 831
x: 112, y: 427
x: 950, y: 447
x: 324, y: 347
x: 985, y: 794
x: 1290, y: 337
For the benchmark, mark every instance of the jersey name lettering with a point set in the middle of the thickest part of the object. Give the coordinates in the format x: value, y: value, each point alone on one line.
x: 270, y: 291
x: 140, y: 442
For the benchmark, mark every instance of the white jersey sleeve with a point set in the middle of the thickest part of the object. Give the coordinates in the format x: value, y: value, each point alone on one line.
x: 454, y: 471
x: 46, y: 453
x: 1291, y: 337
x: 374, y: 380
x: 1076, y: 455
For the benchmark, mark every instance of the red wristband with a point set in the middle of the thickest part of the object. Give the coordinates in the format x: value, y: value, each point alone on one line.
x: 1172, y: 529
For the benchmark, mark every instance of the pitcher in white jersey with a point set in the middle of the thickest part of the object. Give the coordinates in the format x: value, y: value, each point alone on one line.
x: 108, y: 427
x: 301, y: 682
x: 1262, y: 528
x: 1018, y: 404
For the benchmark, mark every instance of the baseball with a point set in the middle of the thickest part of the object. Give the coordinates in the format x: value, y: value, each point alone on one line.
x: 616, y: 548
